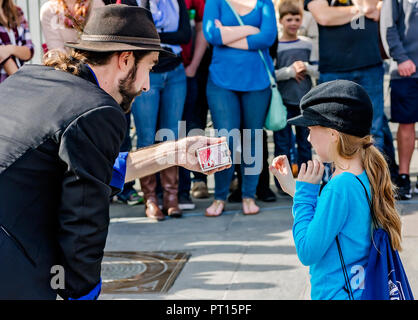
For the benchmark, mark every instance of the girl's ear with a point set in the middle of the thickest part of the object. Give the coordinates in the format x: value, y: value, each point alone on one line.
x: 334, y: 135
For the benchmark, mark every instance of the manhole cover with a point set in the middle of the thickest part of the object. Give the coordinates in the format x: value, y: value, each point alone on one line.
x: 141, y: 272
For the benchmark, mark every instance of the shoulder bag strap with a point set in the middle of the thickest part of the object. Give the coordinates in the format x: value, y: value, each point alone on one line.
x: 271, y: 78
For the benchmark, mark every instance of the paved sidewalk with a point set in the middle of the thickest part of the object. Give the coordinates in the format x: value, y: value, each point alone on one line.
x: 235, y: 256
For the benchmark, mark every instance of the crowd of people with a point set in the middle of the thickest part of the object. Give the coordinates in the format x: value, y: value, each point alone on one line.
x: 216, y: 68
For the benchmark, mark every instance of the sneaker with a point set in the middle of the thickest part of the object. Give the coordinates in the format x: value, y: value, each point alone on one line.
x: 416, y: 187
x: 130, y: 198
x: 185, y: 203
x: 404, y: 188
x: 200, y: 190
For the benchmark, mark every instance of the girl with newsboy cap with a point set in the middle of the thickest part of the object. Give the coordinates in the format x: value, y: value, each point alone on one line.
x: 339, y: 116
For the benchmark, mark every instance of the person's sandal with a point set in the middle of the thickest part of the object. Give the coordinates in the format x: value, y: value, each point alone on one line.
x: 248, y: 202
x: 216, y: 205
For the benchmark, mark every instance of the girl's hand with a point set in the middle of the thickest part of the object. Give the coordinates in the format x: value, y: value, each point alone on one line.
x: 281, y: 169
x: 311, y: 173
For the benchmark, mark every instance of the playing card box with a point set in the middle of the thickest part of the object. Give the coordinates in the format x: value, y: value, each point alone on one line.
x: 214, y: 156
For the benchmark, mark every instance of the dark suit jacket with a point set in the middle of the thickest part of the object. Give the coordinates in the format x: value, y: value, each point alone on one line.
x: 59, y: 137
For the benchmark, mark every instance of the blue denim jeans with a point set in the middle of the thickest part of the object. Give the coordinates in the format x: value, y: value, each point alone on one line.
x: 283, y: 141
x: 161, y: 107
x: 194, y: 113
x: 232, y: 110
x: 371, y: 79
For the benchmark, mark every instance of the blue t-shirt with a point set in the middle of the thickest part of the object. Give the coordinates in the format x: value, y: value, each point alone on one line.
x: 236, y: 69
x: 350, y: 46
x: 341, y: 209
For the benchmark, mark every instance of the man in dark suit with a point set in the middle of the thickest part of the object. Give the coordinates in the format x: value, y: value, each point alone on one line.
x: 61, y: 126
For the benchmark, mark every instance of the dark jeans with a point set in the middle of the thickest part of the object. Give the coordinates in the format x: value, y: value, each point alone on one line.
x: 195, y: 114
x: 283, y: 141
x: 371, y: 79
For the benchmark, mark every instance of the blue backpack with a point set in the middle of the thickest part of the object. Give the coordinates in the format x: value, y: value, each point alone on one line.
x: 385, y: 277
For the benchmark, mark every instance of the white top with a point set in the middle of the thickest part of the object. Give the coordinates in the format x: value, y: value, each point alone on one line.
x: 53, y: 29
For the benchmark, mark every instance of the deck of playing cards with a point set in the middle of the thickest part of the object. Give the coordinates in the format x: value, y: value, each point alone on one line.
x: 214, y: 156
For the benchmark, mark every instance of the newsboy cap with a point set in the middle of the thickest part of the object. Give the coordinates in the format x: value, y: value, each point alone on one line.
x: 119, y: 27
x: 340, y: 104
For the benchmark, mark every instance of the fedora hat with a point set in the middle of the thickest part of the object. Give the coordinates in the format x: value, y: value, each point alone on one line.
x: 119, y: 27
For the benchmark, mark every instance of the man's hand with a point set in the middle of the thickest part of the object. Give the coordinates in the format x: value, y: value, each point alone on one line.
x: 187, y: 148
x: 281, y: 169
x: 407, y: 68
x: 311, y: 173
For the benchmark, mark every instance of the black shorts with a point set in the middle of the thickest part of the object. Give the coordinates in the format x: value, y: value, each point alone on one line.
x: 404, y: 100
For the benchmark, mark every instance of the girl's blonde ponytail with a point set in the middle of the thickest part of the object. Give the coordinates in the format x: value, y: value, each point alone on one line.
x: 383, y: 193
x: 383, y: 198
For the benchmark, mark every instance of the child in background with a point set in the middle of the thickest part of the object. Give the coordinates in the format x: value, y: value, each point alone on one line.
x: 339, y: 116
x: 293, y: 75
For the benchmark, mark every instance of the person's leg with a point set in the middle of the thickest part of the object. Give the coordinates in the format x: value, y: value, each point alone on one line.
x: 252, y: 164
x: 371, y: 79
x: 188, y: 116
x: 304, y: 148
x: 404, y: 110
x: 264, y: 193
x: 172, y: 101
x: 200, y: 121
x: 224, y: 106
x: 406, y: 146
x: 283, y: 142
x: 145, y: 112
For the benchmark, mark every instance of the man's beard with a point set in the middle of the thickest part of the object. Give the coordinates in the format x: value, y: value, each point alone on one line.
x: 127, y: 90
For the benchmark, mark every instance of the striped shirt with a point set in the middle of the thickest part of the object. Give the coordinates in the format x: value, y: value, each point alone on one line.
x: 18, y: 36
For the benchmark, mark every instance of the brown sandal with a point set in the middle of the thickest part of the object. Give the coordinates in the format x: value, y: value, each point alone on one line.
x: 216, y: 204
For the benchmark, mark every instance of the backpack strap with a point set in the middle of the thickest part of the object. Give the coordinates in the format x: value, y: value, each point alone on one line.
x: 347, y: 287
x: 375, y: 223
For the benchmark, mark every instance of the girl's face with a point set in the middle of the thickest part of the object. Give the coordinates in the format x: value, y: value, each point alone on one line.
x: 322, y: 140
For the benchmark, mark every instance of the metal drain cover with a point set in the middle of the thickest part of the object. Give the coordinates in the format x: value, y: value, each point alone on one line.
x: 141, y: 272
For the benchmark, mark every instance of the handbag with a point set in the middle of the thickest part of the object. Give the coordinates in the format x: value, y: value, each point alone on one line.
x: 276, y: 118
x: 385, y: 277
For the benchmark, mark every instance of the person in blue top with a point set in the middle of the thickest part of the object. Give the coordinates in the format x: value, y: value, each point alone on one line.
x: 238, y: 89
x: 339, y: 116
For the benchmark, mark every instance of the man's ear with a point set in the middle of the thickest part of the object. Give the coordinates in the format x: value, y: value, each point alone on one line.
x: 126, y: 60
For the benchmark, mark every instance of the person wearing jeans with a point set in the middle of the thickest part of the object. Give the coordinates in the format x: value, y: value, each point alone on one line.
x: 158, y: 111
x: 196, y: 59
x: 349, y: 50
x: 238, y: 89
